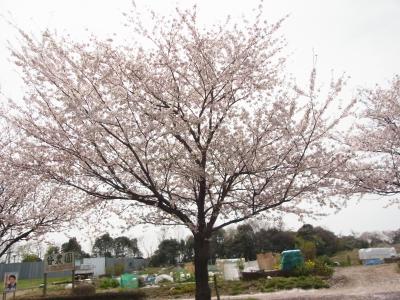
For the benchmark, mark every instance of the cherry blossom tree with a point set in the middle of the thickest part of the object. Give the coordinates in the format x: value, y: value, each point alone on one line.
x: 188, y: 125
x: 376, y: 141
x: 29, y: 206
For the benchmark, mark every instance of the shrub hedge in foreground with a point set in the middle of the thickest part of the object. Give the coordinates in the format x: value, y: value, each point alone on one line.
x: 131, y: 295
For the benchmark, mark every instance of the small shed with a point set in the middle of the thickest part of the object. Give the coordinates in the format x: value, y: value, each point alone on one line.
x: 97, y: 265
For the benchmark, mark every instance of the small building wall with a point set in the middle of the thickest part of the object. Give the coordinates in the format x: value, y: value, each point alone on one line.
x: 98, y: 263
x: 33, y: 270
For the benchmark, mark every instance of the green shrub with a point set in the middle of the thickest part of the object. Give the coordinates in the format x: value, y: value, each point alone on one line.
x: 309, y: 266
x: 325, y: 259
x: 322, y: 269
x: 308, y: 248
x: 236, y: 290
x: 142, y: 282
x: 182, y: 289
x: 348, y: 260
x: 84, y: 290
x: 109, y: 271
x: 107, y: 283
x: 307, y: 283
x: 303, y: 282
x: 306, y: 269
x: 119, y: 269
x: 240, y: 287
x: 131, y: 295
x: 30, y: 257
x: 188, y: 277
x: 318, y: 268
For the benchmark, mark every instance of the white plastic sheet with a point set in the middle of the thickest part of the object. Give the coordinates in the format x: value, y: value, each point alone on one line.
x: 251, y: 266
x: 163, y: 277
x: 381, y: 253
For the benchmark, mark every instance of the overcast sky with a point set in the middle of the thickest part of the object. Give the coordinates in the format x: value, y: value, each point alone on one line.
x: 361, y: 38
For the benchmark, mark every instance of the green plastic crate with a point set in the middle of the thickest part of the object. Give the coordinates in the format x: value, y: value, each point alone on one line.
x: 130, y: 281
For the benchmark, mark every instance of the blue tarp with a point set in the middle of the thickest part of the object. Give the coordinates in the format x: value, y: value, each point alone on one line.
x: 372, y: 261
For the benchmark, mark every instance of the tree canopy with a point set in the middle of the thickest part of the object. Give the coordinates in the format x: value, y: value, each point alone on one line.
x: 120, y: 246
x: 103, y: 245
x: 30, y: 204
x: 376, y: 140
x: 197, y: 126
x: 167, y: 253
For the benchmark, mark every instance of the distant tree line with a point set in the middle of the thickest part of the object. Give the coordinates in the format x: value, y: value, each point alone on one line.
x: 245, y: 241
x: 104, y: 245
x: 71, y: 246
x: 121, y: 246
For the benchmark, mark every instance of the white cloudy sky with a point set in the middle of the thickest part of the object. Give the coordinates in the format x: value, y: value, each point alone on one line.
x: 361, y: 38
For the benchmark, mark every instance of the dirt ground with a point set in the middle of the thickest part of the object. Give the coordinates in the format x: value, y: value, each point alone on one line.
x: 358, y: 282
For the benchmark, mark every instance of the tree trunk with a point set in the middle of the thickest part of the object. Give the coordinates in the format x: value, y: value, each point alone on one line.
x: 201, y: 255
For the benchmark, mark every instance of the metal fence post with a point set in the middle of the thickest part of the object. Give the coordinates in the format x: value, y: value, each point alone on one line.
x: 73, y: 279
x: 45, y: 285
